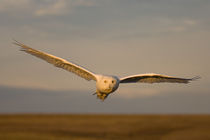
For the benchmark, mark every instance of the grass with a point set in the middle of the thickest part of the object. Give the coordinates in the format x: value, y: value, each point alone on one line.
x: 98, y: 127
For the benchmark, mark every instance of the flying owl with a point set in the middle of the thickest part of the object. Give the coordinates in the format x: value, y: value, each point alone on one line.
x: 105, y: 84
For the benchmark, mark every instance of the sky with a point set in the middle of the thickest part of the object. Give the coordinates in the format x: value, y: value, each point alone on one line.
x: 113, y: 37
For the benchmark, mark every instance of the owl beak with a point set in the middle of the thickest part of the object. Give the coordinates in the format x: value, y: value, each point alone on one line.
x: 110, y: 87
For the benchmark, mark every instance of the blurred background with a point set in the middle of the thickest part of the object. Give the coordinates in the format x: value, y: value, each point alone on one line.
x: 117, y: 37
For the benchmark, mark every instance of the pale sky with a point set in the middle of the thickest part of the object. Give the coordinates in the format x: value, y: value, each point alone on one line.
x: 114, y: 37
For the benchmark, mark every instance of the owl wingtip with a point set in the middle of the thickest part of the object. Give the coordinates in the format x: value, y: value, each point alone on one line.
x: 196, y: 78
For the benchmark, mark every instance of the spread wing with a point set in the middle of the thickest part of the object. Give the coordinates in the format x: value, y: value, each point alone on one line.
x: 155, y: 78
x: 58, y: 62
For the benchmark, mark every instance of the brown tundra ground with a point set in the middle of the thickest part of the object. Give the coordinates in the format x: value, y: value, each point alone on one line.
x: 99, y: 127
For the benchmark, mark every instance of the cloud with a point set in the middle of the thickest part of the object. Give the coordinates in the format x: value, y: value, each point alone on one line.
x: 7, y: 5
x: 44, y: 7
x: 177, y: 29
x: 177, y: 25
x: 190, y: 22
x: 55, y: 8
x: 84, y: 3
x: 131, y: 93
x: 61, y: 7
x: 184, y: 25
x: 30, y: 100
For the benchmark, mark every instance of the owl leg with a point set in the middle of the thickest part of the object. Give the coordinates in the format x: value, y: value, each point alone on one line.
x: 101, y: 96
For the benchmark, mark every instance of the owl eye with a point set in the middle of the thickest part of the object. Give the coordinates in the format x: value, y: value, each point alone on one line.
x: 105, y: 81
x: 112, y: 81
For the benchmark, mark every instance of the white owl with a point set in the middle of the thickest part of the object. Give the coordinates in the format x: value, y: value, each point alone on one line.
x: 104, y: 84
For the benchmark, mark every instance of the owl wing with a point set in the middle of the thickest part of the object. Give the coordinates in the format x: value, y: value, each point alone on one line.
x: 58, y: 62
x: 155, y: 78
